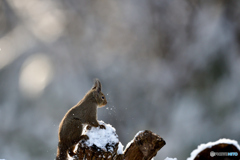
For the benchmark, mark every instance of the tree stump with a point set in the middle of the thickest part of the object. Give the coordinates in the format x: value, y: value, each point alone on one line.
x: 223, y: 149
x: 210, y: 153
x: 144, y: 146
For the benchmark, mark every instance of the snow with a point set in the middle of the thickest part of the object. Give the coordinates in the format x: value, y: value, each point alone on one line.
x: 120, y: 148
x: 170, y: 158
x: 201, y: 147
x: 129, y: 143
x: 102, y: 137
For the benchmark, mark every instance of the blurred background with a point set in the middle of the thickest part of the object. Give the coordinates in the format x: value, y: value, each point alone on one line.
x: 172, y: 67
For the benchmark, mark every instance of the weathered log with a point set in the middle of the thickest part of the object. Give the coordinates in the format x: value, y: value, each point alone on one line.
x: 144, y: 146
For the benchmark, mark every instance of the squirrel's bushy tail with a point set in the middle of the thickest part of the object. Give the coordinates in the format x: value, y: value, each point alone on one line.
x: 61, y: 152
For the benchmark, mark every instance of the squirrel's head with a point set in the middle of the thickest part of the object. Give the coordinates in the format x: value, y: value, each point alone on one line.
x: 98, y: 95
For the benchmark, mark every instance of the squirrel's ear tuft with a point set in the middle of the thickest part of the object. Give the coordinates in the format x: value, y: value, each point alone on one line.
x: 97, y: 85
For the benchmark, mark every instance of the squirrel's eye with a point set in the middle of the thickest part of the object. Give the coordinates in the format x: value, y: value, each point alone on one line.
x: 102, y: 97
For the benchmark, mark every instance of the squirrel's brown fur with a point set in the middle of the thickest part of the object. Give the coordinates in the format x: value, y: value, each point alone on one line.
x: 84, y: 112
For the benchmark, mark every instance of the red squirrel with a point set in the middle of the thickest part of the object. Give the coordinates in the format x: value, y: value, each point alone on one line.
x: 84, y: 112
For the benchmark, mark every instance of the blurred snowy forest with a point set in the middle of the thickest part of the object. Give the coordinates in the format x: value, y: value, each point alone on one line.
x: 169, y: 66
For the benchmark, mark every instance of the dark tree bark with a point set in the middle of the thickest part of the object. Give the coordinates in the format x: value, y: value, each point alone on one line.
x: 145, y: 146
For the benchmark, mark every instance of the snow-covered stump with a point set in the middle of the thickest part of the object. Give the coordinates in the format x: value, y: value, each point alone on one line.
x: 103, y: 144
x: 99, y: 143
x: 223, y: 149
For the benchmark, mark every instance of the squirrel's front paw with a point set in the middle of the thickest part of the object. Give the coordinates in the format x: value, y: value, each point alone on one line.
x: 102, y: 127
x: 84, y: 137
